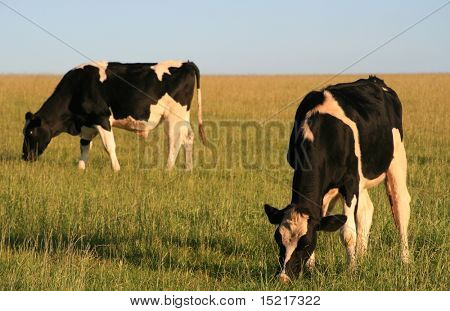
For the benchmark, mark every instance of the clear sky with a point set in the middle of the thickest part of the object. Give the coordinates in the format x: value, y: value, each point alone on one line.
x: 228, y: 37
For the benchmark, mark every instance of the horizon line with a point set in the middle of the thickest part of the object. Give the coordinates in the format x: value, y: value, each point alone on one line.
x: 256, y: 74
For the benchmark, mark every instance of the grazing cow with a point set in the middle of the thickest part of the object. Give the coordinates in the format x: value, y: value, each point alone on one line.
x: 346, y: 139
x: 92, y: 98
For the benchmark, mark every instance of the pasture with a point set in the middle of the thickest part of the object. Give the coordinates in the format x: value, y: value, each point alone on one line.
x: 148, y: 229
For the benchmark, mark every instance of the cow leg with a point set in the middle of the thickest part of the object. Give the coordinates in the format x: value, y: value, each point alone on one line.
x: 399, y: 197
x: 156, y: 114
x: 176, y: 130
x: 328, y: 202
x: 188, y: 144
x: 110, y: 146
x: 363, y: 222
x: 311, y: 262
x: 348, y: 232
x: 87, y: 135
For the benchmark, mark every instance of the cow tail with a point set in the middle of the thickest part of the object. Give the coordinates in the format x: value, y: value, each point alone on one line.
x: 201, y: 130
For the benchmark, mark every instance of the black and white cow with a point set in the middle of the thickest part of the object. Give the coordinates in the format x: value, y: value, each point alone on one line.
x: 92, y: 98
x: 346, y: 139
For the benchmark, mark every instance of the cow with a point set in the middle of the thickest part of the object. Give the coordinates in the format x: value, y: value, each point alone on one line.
x: 346, y: 139
x: 93, y: 98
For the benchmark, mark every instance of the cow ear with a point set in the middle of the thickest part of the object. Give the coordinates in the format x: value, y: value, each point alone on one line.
x: 331, y: 223
x: 274, y: 215
x: 28, y: 115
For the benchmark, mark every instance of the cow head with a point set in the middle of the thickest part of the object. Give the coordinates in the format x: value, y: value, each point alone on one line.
x: 296, y: 236
x: 37, y: 136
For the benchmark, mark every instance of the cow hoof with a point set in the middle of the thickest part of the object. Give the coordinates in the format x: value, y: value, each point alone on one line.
x: 311, y: 262
x: 284, y: 278
x: 310, y: 265
x: 405, y: 258
x: 81, y: 165
x: 352, y: 266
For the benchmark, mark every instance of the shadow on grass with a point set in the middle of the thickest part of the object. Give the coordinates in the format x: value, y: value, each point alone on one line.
x: 52, y: 242
x: 8, y: 156
x: 151, y: 258
x: 224, y: 257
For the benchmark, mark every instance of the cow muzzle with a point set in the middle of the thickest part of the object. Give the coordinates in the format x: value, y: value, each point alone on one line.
x: 29, y: 156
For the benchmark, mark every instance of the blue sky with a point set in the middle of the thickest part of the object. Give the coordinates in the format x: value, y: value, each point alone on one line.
x: 228, y: 37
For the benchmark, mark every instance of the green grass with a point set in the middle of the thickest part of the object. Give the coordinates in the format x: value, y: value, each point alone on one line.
x: 147, y: 229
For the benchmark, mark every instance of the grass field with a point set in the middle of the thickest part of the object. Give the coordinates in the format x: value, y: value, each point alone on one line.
x: 147, y: 229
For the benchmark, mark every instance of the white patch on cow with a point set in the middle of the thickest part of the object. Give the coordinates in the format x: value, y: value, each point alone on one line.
x: 398, y: 192
x: 168, y: 106
x: 284, y: 278
x: 348, y: 232
x: 199, y: 101
x: 291, y: 229
x: 327, y: 198
x: 87, y: 133
x: 110, y: 145
x: 311, y: 262
x: 373, y: 182
x: 363, y: 222
x: 354, y: 200
x: 101, y: 65
x: 163, y: 67
x: 384, y: 89
x: 307, y: 133
x: 178, y: 128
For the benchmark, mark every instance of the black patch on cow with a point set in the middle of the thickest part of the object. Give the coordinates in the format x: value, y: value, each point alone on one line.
x: 180, y: 87
x: 332, y: 160
x: 84, y: 142
x: 281, y: 248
